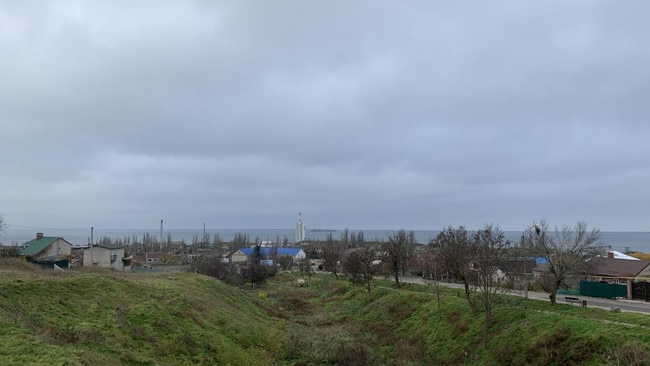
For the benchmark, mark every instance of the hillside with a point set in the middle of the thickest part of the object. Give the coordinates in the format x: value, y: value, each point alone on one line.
x: 109, y: 319
x: 103, y: 318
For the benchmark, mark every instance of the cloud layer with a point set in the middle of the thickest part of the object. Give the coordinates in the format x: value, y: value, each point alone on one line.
x: 374, y: 115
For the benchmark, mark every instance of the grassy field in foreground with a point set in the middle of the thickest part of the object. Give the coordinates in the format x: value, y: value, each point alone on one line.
x: 104, y: 318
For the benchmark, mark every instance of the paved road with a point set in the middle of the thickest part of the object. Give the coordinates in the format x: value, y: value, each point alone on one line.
x: 607, y: 304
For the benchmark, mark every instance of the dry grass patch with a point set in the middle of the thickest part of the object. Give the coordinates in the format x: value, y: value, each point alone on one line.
x: 460, y: 325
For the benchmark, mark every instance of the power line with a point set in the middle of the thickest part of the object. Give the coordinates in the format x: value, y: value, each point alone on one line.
x: 44, y: 228
x: 85, y: 228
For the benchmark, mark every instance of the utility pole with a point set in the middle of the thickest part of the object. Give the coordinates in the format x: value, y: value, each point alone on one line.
x: 161, y: 234
x: 524, y: 246
x: 92, y: 232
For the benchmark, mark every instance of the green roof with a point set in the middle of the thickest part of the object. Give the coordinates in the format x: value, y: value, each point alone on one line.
x: 34, y: 246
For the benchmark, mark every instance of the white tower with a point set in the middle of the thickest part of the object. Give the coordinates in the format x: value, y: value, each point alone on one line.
x: 300, y: 229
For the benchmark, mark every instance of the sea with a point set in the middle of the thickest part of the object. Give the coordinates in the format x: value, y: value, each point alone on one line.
x: 621, y: 241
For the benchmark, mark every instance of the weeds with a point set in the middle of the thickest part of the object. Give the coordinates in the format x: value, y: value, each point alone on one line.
x: 631, y: 354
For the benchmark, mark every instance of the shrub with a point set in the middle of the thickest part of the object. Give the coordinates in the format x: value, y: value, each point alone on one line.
x: 632, y: 354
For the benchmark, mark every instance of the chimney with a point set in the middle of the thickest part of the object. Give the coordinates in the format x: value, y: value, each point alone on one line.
x: 610, y: 255
x: 39, y: 236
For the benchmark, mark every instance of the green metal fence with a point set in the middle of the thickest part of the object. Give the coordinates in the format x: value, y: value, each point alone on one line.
x: 602, y: 289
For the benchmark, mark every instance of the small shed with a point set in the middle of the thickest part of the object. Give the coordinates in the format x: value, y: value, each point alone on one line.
x: 106, y: 256
x: 155, y: 258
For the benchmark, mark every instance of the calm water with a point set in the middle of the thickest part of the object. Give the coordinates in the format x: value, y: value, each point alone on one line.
x: 635, y: 241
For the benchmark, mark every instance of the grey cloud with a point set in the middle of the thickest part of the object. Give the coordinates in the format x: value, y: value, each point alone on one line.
x: 415, y: 114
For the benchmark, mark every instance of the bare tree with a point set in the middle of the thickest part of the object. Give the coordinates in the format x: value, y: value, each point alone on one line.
x: 566, y: 250
x: 396, y: 250
x: 7, y: 251
x: 239, y: 241
x: 410, y: 252
x: 359, y: 264
x: 304, y: 266
x: 430, y: 265
x: 205, y: 239
x: 210, y: 266
x: 331, y: 256
x: 361, y: 242
x: 456, y: 253
x: 490, y: 250
x: 274, y: 252
x: 345, y: 239
x: 256, y: 271
x: 356, y: 240
x: 149, y: 242
x: 353, y: 240
x: 217, y: 243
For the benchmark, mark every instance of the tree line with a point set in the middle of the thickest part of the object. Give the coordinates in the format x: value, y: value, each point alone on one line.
x: 483, y: 260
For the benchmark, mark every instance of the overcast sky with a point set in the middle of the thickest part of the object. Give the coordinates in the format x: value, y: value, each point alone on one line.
x: 358, y: 114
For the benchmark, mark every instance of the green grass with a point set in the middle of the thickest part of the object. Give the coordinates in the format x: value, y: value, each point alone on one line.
x: 104, y: 318
x: 136, y: 319
x: 404, y: 326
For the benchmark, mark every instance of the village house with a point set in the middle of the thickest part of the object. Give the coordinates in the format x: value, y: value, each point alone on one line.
x: 47, y: 250
x: 613, y: 270
x: 176, y: 247
x: 107, y: 256
x: 242, y: 254
x: 155, y: 258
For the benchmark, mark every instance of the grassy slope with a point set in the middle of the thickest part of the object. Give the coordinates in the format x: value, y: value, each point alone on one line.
x: 176, y: 319
x: 406, y: 327
x: 106, y: 319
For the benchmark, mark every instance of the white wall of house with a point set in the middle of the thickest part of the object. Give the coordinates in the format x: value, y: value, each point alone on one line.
x: 156, y: 258
x: 300, y: 255
x: 58, y: 249
x: 239, y: 256
x: 104, y: 258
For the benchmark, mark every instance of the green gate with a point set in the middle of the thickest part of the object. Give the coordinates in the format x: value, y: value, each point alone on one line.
x: 602, y: 289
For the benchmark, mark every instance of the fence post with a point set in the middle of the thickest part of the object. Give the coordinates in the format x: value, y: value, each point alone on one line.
x: 629, y: 289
